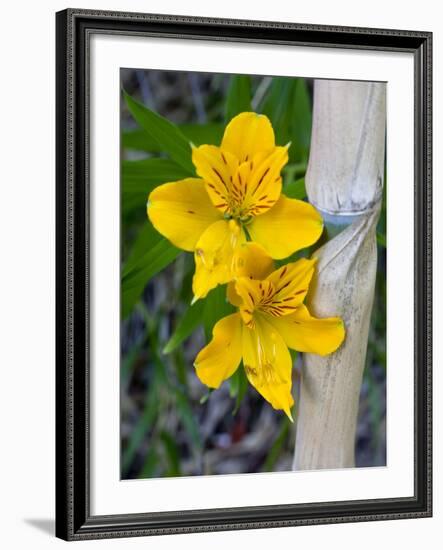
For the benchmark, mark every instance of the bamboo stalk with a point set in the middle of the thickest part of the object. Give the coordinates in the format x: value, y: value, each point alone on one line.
x: 344, y: 181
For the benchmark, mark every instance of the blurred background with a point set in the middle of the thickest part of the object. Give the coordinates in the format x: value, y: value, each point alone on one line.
x: 170, y: 424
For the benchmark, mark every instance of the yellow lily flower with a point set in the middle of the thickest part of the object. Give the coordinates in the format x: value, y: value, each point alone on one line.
x: 238, y: 197
x: 271, y: 319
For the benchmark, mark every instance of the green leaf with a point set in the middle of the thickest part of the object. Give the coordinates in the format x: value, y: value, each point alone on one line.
x: 151, y: 263
x: 294, y: 355
x: 187, y: 324
x: 216, y: 307
x: 127, y: 364
x: 288, y: 106
x: 189, y: 421
x: 144, y: 175
x: 278, y: 106
x: 238, y: 385
x: 233, y: 385
x: 239, y: 96
x: 301, y: 119
x: 295, y: 189
x: 129, y: 299
x: 150, y: 464
x: 146, y: 239
x: 172, y: 454
x: 200, y: 134
x: 140, y: 177
x: 277, y: 446
x: 144, y: 423
x: 206, y: 396
x: 140, y: 140
x: 381, y: 239
x: 294, y: 171
x: 132, y: 205
x: 170, y: 139
x: 141, y: 266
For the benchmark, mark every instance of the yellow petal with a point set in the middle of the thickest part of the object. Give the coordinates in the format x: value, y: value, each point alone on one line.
x: 217, y: 168
x: 220, y: 358
x: 232, y: 296
x: 291, y: 284
x: 303, y: 332
x: 281, y: 293
x: 214, y: 255
x: 181, y: 211
x: 268, y: 364
x: 248, y: 134
x: 265, y: 182
x: 288, y: 226
x: 252, y: 261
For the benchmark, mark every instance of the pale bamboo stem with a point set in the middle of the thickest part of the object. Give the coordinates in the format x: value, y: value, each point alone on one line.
x: 344, y: 181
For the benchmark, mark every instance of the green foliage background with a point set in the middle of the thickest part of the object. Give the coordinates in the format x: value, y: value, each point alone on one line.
x: 170, y: 424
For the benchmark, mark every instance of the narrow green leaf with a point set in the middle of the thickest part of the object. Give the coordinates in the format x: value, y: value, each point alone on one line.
x: 140, y: 177
x: 288, y: 106
x: 152, y: 408
x: 277, y: 446
x: 238, y: 386
x: 206, y: 396
x: 189, y: 421
x: 239, y: 96
x: 233, y: 385
x: 153, y: 170
x: 142, y: 269
x: 200, y: 134
x: 301, y: 123
x: 171, y: 140
x: 133, y: 204
x: 295, y: 189
x: 381, y: 239
x: 187, y: 324
x: 144, y: 423
x: 129, y: 299
x: 294, y: 171
x: 127, y: 364
x: 151, y: 263
x: 145, y: 240
x: 150, y: 464
x: 181, y: 368
x: 172, y: 454
x: 139, y: 140
x: 216, y: 307
x: 277, y: 106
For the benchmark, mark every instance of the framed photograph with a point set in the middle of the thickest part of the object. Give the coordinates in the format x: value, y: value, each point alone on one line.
x: 243, y: 274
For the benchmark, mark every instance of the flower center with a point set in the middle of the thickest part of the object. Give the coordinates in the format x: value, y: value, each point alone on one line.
x: 275, y: 298
x: 246, y: 191
x: 267, y: 300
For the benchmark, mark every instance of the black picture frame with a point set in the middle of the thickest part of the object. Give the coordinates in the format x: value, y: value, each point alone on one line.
x: 74, y: 28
